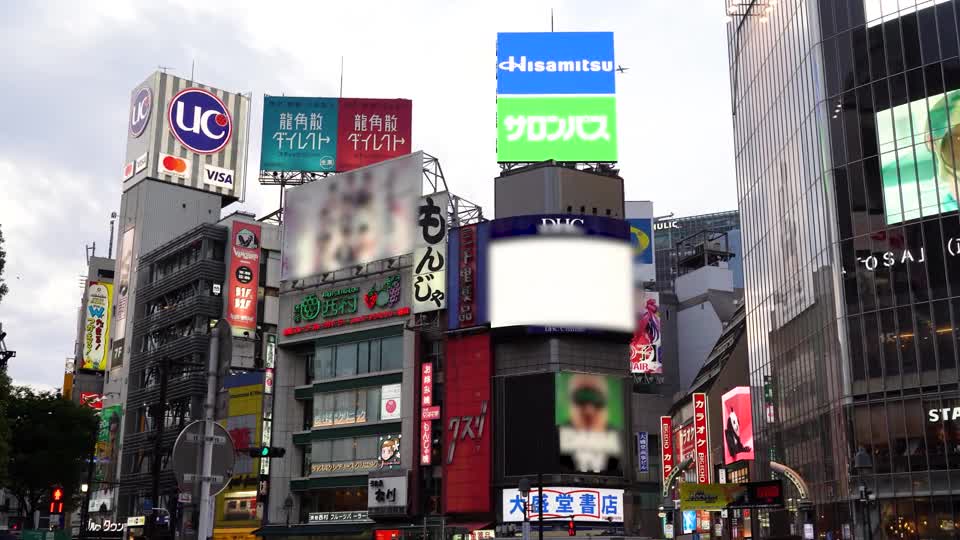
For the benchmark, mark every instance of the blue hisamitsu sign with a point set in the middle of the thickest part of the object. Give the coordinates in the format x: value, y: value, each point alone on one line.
x: 299, y: 134
x: 555, y: 63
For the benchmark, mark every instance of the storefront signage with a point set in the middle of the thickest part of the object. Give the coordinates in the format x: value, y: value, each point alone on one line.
x: 390, y: 401
x: 341, y: 301
x: 387, y: 495
x: 321, y: 517
x: 563, y: 503
x: 664, y: 225
x: 666, y: 446
x: 702, y: 446
x: 468, y: 270
x: 429, y: 254
x: 244, y: 278
x: 944, y: 414
x: 360, y: 465
x: 643, y: 451
x: 136, y: 521
x: 316, y: 327
x: 106, y: 526
x: 711, y: 497
x: 426, y: 402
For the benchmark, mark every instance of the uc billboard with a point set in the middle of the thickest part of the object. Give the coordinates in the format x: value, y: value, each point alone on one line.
x: 556, y: 97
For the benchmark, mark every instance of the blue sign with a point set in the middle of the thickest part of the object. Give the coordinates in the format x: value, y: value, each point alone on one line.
x: 689, y: 521
x: 641, y: 239
x: 299, y: 134
x: 559, y: 225
x: 200, y: 121
x: 140, y: 111
x: 643, y: 451
x: 555, y: 63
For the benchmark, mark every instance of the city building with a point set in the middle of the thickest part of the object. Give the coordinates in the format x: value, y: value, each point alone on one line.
x: 669, y: 232
x: 842, y: 114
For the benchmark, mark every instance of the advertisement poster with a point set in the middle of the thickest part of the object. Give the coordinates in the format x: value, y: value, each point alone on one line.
x: 737, y: 425
x: 689, y: 521
x: 710, y: 497
x: 351, y: 218
x: 244, y: 279
x: 563, y: 503
x: 560, y: 128
x: 555, y: 63
x: 429, y: 254
x: 917, y: 157
x: 390, y: 402
x: 702, y: 444
x: 645, y: 346
x: 125, y: 263
x: 372, y: 130
x: 590, y: 420
x: 108, y: 443
x: 92, y: 400
x: 299, y: 134
x: 666, y: 446
x: 96, y: 326
x: 389, y: 450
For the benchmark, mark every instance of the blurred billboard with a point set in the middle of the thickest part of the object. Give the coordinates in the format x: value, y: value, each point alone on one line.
x: 351, y: 218
x: 589, y: 415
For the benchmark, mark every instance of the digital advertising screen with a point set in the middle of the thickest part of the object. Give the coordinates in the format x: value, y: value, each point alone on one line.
x: 521, y: 293
x: 351, y: 218
x: 737, y: 425
x: 645, y: 357
x: 919, y: 157
x: 589, y: 415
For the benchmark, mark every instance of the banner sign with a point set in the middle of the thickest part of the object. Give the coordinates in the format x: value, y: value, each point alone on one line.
x: 645, y: 346
x: 666, y: 446
x: 711, y: 497
x: 318, y: 134
x: 96, y: 326
x: 429, y: 254
x: 555, y: 63
x: 564, y: 503
x: 468, y: 272
x: 124, y: 272
x: 572, y: 129
x: 426, y: 402
x: 738, y: 425
x: 702, y: 445
x: 244, y: 279
x: 643, y: 451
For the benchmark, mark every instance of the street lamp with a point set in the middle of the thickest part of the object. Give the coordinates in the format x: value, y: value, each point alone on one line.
x: 524, y: 489
x: 863, y: 464
x: 84, y: 487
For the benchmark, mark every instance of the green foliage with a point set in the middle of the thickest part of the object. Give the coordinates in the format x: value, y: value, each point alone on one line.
x: 3, y: 262
x: 50, y: 440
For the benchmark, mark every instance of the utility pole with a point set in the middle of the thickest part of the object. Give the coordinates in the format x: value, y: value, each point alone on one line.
x: 205, y: 528
x: 160, y: 416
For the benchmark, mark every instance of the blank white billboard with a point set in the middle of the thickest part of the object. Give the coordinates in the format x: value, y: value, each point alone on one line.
x: 576, y: 281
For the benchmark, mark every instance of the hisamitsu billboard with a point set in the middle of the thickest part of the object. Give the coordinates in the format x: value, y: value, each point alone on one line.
x: 555, y: 63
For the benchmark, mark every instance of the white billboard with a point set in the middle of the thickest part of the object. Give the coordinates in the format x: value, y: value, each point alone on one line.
x: 351, y: 218
x: 429, y: 256
x: 564, y: 503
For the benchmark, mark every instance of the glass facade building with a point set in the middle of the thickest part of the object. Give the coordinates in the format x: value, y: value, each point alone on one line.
x: 843, y: 113
x: 670, y: 231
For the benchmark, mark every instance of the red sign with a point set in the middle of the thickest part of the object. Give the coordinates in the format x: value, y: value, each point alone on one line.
x: 666, y: 446
x: 92, y: 400
x: 431, y: 413
x: 468, y: 435
x: 372, y: 130
x: 293, y: 330
x: 426, y: 404
x: 426, y: 381
x: 426, y: 433
x: 386, y: 534
x: 737, y: 425
x: 684, y: 442
x: 468, y: 272
x: 244, y: 279
x: 702, y: 446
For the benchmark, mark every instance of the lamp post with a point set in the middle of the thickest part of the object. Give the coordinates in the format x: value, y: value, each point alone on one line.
x: 863, y: 464
x: 524, y: 489
x: 288, y: 506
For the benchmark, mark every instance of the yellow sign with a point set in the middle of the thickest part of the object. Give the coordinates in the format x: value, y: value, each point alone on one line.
x: 96, y: 326
x: 233, y: 534
x: 708, y: 496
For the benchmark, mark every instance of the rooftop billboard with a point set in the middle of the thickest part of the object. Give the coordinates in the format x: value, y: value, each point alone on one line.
x: 351, y: 218
x: 320, y: 134
x: 187, y: 134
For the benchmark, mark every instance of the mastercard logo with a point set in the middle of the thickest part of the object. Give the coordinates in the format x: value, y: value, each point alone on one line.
x: 173, y: 165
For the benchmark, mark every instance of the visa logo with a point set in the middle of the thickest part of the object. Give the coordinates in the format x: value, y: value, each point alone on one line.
x: 218, y: 176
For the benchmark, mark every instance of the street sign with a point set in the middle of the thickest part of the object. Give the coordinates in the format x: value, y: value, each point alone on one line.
x: 185, y: 498
x: 188, y: 457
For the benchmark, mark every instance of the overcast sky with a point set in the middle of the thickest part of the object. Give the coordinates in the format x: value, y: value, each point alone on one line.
x: 68, y: 69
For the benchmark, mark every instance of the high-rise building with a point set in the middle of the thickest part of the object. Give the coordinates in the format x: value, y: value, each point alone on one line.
x: 670, y: 231
x: 843, y: 113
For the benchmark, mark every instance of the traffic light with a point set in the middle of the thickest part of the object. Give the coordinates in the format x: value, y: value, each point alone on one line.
x: 56, y: 501
x: 267, y: 452
x: 571, y: 528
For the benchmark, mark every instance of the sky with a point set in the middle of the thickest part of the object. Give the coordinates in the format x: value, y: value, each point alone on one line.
x: 68, y: 69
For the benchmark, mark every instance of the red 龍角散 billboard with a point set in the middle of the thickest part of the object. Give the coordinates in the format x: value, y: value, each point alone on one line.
x: 372, y: 130
x: 468, y: 434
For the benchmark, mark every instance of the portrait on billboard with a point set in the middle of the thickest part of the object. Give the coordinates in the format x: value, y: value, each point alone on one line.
x: 351, y: 218
x: 645, y: 346
x: 917, y: 148
x: 737, y: 425
x: 108, y: 441
x: 389, y: 448
x: 590, y: 419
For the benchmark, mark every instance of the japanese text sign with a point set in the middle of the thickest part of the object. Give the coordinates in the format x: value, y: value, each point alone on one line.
x: 666, y: 446
x: 559, y: 128
x: 429, y: 254
x: 426, y: 403
x: 426, y: 385
x: 701, y: 442
x: 96, y: 325
x: 333, y: 134
x: 563, y: 503
x: 643, y: 451
x: 244, y: 279
x: 467, y: 271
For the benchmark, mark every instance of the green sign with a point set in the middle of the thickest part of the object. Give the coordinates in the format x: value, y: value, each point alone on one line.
x: 533, y: 129
x: 344, y: 301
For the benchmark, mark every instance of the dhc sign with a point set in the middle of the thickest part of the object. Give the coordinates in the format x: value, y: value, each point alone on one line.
x: 555, y: 63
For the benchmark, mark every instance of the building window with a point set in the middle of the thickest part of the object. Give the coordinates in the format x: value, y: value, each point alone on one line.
x: 358, y: 358
x: 354, y: 406
x: 356, y: 454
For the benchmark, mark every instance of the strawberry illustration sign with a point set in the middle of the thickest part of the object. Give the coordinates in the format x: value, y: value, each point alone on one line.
x: 384, y: 295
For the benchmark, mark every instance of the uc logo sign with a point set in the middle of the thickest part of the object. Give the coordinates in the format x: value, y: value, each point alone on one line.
x: 200, y: 121
x: 140, y: 111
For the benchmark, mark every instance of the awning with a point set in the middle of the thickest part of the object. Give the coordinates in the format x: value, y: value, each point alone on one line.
x: 470, y: 526
x: 315, y: 529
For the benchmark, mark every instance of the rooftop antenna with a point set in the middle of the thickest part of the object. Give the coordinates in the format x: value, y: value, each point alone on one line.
x: 341, y: 76
x: 164, y: 68
x: 193, y: 64
x: 113, y: 217
x: 91, y: 251
x: 551, y: 19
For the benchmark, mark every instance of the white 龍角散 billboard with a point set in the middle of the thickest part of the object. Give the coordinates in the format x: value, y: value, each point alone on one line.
x: 351, y: 218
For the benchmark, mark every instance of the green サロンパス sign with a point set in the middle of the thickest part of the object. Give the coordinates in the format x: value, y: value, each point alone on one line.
x: 533, y: 129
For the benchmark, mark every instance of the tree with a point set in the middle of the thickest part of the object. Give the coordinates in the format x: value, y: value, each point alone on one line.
x: 3, y: 262
x: 50, y: 441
